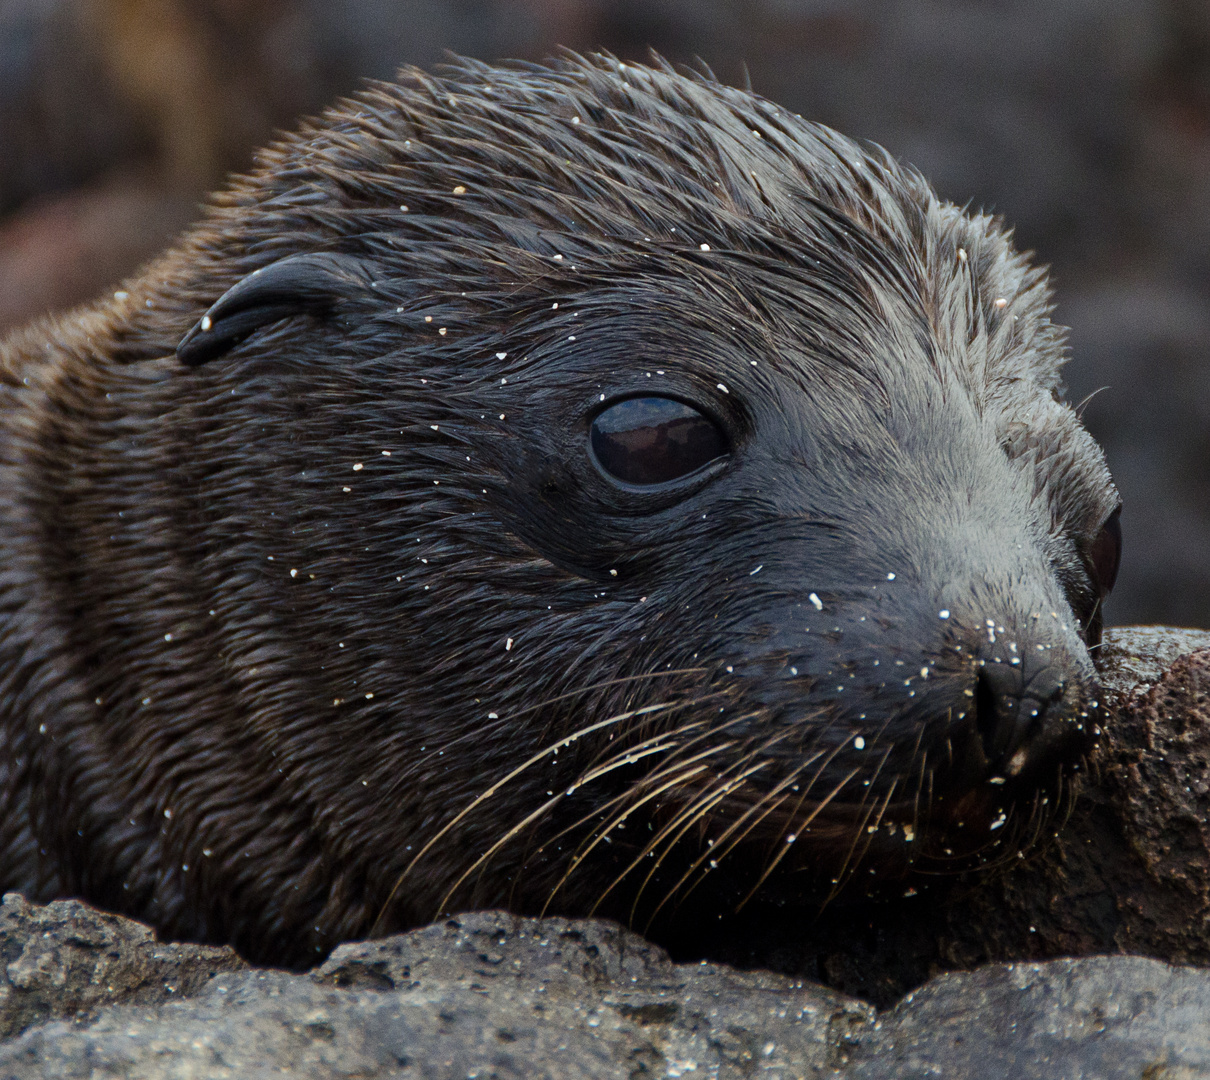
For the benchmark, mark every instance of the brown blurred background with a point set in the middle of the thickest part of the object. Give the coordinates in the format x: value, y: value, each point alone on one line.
x: 1085, y: 122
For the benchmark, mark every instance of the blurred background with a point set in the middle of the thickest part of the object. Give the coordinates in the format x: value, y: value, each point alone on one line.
x: 1086, y: 123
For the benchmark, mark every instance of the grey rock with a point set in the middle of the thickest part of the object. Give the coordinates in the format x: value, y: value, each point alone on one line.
x: 1104, y: 1017
x: 485, y: 995
x: 1134, y: 658
x: 68, y: 960
x: 490, y: 995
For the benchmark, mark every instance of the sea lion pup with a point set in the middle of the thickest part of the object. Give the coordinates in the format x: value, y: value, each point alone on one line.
x: 575, y: 488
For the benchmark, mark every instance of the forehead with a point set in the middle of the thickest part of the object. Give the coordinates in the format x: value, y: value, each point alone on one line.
x: 592, y: 176
x: 604, y: 167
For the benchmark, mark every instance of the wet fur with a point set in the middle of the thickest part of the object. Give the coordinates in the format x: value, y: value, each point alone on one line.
x: 195, y: 612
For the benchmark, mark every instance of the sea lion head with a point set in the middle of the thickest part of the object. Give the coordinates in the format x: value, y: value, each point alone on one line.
x: 603, y: 476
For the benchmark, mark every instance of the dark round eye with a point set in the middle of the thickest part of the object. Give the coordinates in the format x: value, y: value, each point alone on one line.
x: 1106, y: 553
x: 653, y: 440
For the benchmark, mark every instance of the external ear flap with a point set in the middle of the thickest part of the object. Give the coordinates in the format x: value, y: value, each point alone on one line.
x: 309, y: 284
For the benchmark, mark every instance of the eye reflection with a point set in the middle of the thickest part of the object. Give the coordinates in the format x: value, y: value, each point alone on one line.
x: 653, y: 440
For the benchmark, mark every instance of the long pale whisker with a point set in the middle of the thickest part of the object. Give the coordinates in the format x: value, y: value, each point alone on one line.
x: 649, y: 787
x: 766, y: 801
x: 564, y: 742
x: 511, y: 718
x: 516, y: 830
x: 815, y: 812
x: 867, y: 831
x: 669, y: 766
x: 656, y: 840
x: 922, y: 773
x: 860, y: 831
x: 783, y: 849
x: 718, y: 852
x: 648, y: 748
x: 678, y: 769
x: 674, y: 781
x: 689, y: 816
x: 709, y: 731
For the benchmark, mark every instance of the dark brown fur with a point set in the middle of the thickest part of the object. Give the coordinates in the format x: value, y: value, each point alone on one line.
x: 340, y: 627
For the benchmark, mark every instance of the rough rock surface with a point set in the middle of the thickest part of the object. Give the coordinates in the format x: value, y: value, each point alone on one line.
x: 85, y: 994
x: 489, y: 995
x: 66, y: 960
x: 483, y: 995
x: 1101, y: 1017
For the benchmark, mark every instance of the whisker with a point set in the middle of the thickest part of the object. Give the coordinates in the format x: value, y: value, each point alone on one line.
x: 920, y: 783
x: 783, y: 849
x: 686, y: 819
x: 815, y: 812
x: 1091, y: 616
x: 674, y: 767
x: 860, y: 831
x: 610, y: 753
x: 516, y: 830
x: 564, y: 741
x: 720, y: 855
x: 675, y: 780
x: 628, y: 756
x: 735, y: 825
x: 624, y: 757
x: 1079, y: 409
x: 477, y: 734
x: 668, y: 767
x: 868, y: 832
x: 588, y: 688
x: 666, y: 830
x: 649, y: 747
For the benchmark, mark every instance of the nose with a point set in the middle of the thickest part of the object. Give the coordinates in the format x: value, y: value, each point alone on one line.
x: 1019, y: 714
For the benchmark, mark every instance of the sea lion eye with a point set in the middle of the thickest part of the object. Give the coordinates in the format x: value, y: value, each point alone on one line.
x: 1106, y: 553
x: 652, y: 440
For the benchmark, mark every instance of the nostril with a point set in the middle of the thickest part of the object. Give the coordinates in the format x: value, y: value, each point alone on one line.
x: 1003, y: 714
x: 1009, y: 711
x: 986, y: 715
x: 1046, y: 687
